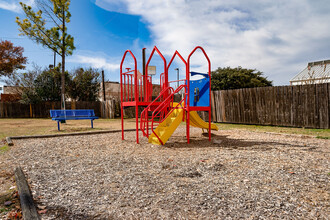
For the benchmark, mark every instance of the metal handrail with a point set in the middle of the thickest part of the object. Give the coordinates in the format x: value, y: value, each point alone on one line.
x: 168, y: 100
x: 145, y: 111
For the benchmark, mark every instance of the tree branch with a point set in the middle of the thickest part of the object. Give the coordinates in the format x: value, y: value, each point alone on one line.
x: 46, y: 8
x: 36, y: 38
x: 31, y: 18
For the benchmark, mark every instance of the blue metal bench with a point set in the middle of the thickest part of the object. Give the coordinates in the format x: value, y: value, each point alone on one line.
x: 62, y: 115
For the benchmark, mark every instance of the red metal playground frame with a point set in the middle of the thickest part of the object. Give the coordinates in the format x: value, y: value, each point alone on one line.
x: 136, y: 91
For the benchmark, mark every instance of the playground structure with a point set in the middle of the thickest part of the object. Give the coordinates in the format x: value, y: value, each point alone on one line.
x: 162, y: 115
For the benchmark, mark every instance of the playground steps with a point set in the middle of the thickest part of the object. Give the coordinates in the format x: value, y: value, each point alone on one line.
x: 167, y: 127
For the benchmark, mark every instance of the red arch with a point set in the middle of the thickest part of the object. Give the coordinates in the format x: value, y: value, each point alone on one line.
x: 163, y: 58
x: 135, y: 91
x: 188, y: 87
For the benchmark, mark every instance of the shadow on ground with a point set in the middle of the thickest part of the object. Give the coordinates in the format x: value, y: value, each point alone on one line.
x: 222, y: 141
x: 62, y: 213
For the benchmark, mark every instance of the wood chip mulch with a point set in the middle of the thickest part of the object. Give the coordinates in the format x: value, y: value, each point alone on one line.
x: 239, y: 174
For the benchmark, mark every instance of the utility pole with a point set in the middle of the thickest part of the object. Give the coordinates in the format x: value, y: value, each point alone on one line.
x: 103, y: 86
x: 177, y: 69
x: 54, y: 59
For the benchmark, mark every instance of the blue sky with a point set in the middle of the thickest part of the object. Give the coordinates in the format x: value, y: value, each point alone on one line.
x: 278, y: 37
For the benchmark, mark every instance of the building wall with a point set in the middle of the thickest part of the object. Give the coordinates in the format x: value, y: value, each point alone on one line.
x: 9, y: 93
x: 11, y: 90
x: 310, y: 81
x: 10, y: 97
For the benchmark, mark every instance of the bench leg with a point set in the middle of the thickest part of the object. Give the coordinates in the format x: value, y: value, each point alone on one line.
x: 58, y: 125
x: 92, y: 123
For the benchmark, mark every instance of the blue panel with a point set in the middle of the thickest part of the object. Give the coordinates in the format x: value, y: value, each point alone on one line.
x: 202, y: 74
x: 199, y: 92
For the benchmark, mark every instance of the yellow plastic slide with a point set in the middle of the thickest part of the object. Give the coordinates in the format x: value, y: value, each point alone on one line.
x: 196, y: 121
x: 165, y: 129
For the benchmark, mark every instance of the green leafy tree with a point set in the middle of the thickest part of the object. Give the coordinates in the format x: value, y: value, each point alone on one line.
x: 11, y: 58
x: 47, y: 85
x: 24, y: 83
x: 39, y: 85
x: 236, y: 78
x: 85, y: 84
x: 55, y: 38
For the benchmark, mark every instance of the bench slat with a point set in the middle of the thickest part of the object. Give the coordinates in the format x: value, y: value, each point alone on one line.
x: 76, y: 114
x: 72, y: 113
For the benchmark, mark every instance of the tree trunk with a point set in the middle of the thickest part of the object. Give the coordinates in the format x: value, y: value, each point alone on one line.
x: 63, y: 65
x: 63, y: 82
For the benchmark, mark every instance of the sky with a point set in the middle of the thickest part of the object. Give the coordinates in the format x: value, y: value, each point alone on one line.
x: 277, y: 38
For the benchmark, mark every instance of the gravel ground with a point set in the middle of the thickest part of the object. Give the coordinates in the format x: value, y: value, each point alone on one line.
x: 240, y: 174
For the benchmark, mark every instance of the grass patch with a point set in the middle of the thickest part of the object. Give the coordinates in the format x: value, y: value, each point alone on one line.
x: 4, y: 149
x: 319, y: 133
x: 3, y: 198
x: 9, y: 196
x: 27, y: 126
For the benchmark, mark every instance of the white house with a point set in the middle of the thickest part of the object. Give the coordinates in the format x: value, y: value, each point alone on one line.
x: 314, y: 73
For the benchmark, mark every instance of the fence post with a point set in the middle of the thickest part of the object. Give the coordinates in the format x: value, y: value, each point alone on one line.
x: 1, y: 110
x: 30, y: 111
x: 73, y: 104
x: 213, y: 107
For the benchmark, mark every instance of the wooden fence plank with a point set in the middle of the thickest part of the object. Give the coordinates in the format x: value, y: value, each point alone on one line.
x: 323, y: 105
x: 296, y: 106
x: 213, y: 107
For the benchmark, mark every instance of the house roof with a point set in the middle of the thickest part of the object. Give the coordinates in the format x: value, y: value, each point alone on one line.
x: 314, y: 70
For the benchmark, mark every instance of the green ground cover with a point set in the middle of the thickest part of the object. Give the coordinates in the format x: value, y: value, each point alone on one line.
x: 318, y: 133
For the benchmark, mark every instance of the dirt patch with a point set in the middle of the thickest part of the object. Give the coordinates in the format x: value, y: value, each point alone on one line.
x: 9, y: 202
x: 20, y: 127
x: 239, y: 174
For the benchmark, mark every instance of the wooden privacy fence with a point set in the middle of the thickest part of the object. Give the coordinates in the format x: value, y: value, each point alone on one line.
x: 104, y: 109
x: 294, y: 106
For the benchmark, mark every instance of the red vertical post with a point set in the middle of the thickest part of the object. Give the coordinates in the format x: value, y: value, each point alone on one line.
x: 131, y: 88
x: 144, y: 78
x: 209, y: 97
x: 188, y: 98
x: 122, y: 120
x: 121, y: 99
x: 124, y: 88
x: 136, y: 104
x: 137, y: 123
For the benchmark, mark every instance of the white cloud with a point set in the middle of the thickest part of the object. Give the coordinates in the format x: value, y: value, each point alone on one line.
x: 95, y: 62
x: 112, y: 5
x: 276, y: 37
x: 9, y: 6
x: 13, y: 5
